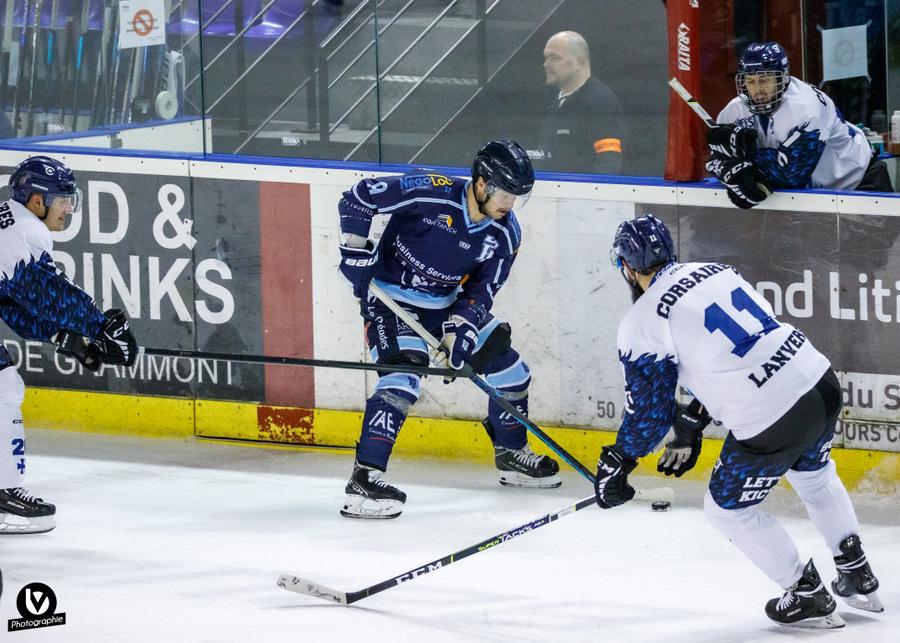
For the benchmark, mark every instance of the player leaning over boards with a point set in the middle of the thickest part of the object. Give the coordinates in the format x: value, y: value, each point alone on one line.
x: 703, y: 325
x: 780, y: 132
x: 39, y: 303
x: 444, y: 254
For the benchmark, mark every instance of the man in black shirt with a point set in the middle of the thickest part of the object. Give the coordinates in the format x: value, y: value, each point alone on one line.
x: 584, y: 128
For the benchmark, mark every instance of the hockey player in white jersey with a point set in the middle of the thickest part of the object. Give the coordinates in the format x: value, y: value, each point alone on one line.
x: 704, y: 326
x: 780, y: 132
x: 39, y: 303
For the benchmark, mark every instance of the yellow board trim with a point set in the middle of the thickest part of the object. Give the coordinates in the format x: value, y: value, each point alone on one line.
x: 261, y: 425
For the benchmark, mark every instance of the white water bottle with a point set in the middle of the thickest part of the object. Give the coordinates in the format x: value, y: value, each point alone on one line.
x: 895, y: 126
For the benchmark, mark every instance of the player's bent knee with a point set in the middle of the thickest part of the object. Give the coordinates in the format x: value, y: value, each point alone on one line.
x: 400, y: 390
x: 726, y: 519
x: 812, y: 481
x: 12, y: 388
x: 514, y: 377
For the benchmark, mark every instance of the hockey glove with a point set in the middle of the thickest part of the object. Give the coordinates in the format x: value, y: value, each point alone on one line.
x: 458, y: 342
x: 357, y: 264
x: 72, y: 344
x: 115, y: 344
x: 732, y: 141
x: 682, y: 452
x: 740, y: 178
x: 611, y: 485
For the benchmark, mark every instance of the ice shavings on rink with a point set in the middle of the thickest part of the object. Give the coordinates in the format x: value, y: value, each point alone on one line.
x: 182, y: 541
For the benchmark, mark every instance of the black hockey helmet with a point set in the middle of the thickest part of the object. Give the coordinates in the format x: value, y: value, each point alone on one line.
x: 505, y: 166
x: 46, y: 176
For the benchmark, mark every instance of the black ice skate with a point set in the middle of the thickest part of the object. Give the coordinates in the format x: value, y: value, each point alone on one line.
x: 524, y: 468
x: 856, y: 584
x: 22, y: 513
x: 369, y: 496
x: 806, y: 603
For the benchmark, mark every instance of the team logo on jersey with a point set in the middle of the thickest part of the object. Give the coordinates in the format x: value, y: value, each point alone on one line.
x: 424, y: 182
x: 488, y: 246
x: 442, y: 221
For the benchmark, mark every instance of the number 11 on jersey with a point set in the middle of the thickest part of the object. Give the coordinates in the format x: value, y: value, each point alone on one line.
x: 716, y: 318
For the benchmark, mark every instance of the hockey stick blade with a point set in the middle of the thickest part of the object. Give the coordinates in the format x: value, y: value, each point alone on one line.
x: 309, y: 588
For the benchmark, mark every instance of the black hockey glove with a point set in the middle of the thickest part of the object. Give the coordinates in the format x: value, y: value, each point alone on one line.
x: 682, y: 452
x: 115, y: 344
x: 732, y: 141
x: 612, y: 486
x: 71, y: 344
x: 740, y: 178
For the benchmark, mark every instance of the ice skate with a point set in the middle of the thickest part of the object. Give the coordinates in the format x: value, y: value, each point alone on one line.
x: 23, y: 513
x: 524, y: 468
x: 856, y: 584
x: 806, y: 603
x: 370, y: 497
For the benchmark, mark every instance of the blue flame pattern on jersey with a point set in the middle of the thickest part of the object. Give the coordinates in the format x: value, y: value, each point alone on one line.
x: 650, y: 385
x: 5, y: 359
x: 26, y: 325
x: 50, y: 299
x: 791, y: 166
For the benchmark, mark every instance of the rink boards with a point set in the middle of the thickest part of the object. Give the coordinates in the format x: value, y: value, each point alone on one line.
x: 242, y: 258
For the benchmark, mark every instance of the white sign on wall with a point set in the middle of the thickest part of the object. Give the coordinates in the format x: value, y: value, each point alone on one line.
x: 141, y: 23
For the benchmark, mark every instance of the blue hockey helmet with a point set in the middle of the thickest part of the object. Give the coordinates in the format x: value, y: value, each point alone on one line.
x: 763, y: 60
x: 46, y: 176
x: 507, y: 170
x: 643, y: 243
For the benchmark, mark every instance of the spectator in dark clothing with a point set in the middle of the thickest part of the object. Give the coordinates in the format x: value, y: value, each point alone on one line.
x: 583, y: 127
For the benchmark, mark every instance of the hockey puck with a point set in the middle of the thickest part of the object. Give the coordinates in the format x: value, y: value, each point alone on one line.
x: 660, y: 505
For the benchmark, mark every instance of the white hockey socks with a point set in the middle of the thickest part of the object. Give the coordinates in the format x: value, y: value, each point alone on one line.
x: 760, y: 537
x: 827, y: 503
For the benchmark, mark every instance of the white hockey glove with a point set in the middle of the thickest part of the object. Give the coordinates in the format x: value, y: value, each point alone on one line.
x: 457, y: 343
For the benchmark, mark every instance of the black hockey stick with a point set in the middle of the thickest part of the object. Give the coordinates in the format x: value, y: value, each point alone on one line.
x: 481, y: 383
x: 303, y: 586
x: 302, y: 361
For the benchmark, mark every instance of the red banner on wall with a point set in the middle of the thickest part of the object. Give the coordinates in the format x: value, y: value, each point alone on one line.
x: 686, y: 150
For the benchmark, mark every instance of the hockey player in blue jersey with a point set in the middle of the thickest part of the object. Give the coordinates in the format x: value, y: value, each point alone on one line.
x: 780, y: 132
x: 39, y: 303
x: 704, y: 326
x: 442, y: 247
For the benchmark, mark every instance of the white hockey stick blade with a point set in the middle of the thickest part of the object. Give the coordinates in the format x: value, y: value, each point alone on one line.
x: 656, y: 494
x: 685, y: 95
x: 303, y: 586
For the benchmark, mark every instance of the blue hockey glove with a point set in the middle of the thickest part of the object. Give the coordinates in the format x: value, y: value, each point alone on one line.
x: 612, y: 486
x: 682, y: 452
x: 733, y: 141
x: 458, y: 341
x: 115, y: 344
x: 357, y: 266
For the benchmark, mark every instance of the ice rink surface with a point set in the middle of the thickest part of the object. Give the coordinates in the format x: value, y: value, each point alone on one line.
x: 182, y: 541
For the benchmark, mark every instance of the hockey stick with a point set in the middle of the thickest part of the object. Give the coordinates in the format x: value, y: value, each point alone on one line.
x: 303, y: 586
x: 301, y: 361
x: 481, y: 383
x: 686, y: 96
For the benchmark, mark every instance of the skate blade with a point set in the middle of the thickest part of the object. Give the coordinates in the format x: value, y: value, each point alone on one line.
x: 867, y: 602
x: 831, y: 622
x: 11, y: 524
x: 368, y: 509
x: 516, y: 479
